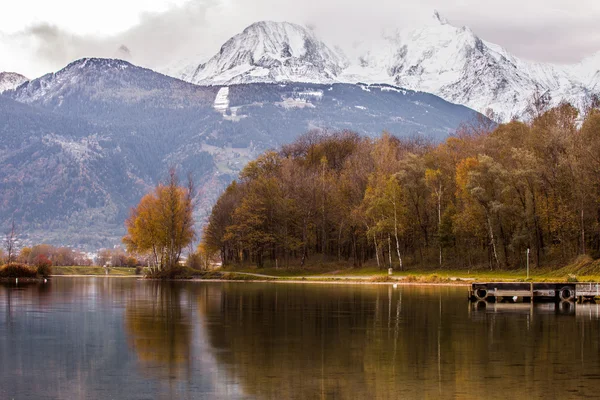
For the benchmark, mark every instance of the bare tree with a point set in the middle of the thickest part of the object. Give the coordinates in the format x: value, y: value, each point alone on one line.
x: 10, y: 242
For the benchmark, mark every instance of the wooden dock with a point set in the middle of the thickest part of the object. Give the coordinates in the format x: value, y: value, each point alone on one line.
x: 534, y: 291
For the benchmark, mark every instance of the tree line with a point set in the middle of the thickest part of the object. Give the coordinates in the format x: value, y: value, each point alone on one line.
x: 58, y: 256
x: 480, y: 198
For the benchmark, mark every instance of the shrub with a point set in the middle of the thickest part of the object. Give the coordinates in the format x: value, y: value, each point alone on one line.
x: 17, y: 271
x: 43, y: 265
x: 177, y: 272
x: 132, y: 262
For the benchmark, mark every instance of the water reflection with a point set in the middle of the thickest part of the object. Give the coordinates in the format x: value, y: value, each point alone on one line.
x: 159, y: 330
x: 363, y: 342
x: 558, y: 308
x: 122, y: 338
x: 589, y: 311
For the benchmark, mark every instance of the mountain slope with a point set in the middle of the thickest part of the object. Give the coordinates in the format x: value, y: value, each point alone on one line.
x: 99, y: 133
x: 10, y: 80
x: 448, y: 61
x: 61, y: 176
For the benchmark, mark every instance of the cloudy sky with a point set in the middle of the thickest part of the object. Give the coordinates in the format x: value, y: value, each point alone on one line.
x: 39, y: 36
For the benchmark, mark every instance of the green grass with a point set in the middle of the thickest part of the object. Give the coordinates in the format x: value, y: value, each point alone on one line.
x: 584, y: 269
x: 93, y: 271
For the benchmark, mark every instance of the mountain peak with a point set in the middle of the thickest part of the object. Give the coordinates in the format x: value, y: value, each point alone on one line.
x: 117, y: 78
x: 270, y: 25
x: 269, y: 51
x: 96, y: 62
x: 11, y: 80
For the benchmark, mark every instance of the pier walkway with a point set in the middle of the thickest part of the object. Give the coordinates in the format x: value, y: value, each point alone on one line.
x: 534, y: 291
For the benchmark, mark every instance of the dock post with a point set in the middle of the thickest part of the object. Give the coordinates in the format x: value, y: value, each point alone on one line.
x: 531, y: 290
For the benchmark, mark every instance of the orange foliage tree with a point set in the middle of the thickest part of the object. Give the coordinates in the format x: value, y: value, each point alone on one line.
x: 162, y: 224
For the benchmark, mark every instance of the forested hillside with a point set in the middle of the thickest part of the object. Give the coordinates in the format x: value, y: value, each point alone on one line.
x: 480, y: 198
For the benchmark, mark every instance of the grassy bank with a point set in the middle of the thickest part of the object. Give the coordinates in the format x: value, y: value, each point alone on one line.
x: 181, y: 273
x: 92, y: 271
x: 584, y: 269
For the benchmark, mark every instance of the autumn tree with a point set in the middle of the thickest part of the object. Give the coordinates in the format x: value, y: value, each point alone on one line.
x: 162, y: 224
x: 24, y: 256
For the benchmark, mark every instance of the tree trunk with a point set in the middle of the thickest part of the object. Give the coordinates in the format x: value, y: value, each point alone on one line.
x: 390, y: 249
x: 439, y: 210
x: 582, y: 231
x: 396, y: 235
x: 340, y: 241
x: 376, y: 248
x: 492, y: 240
x: 304, y: 245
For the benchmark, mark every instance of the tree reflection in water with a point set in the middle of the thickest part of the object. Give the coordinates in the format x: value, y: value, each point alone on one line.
x: 350, y: 342
x: 159, y: 330
x: 307, y: 342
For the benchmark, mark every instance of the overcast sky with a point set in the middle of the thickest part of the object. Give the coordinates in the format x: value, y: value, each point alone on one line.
x: 39, y: 36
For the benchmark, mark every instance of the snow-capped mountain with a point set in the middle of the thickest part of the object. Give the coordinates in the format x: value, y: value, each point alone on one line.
x: 589, y: 70
x: 269, y: 52
x: 451, y: 62
x: 117, y: 80
x: 460, y: 67
x: 10, y: 80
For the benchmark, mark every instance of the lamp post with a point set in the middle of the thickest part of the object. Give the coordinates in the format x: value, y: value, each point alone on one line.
x: 527, y: 263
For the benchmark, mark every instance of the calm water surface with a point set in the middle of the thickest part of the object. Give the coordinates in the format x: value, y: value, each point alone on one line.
x: 99, y: 338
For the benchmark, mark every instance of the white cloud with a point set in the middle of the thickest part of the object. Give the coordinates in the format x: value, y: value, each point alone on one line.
x: 82, y: 17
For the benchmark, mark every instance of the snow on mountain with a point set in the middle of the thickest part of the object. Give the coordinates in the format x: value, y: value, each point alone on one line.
x: 589, y: 70
x: 10, y: 81
x: 268, y: 52
x: 113, y: 81
x: 460, y: 67
x: 451, y: 62
x: 57, y: 83
x: 457, y: 65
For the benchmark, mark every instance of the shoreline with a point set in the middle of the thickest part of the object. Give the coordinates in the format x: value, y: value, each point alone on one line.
x: 94, y: 276
x: 399, y: 282
x: 23, y: 280
x: 331, y: 281
x: 343, y: 276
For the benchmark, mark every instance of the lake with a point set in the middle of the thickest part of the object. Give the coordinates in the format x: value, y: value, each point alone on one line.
x: 121, y: 338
